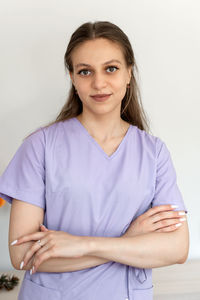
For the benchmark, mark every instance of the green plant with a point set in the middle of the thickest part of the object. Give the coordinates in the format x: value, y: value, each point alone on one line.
x: 8, y: 282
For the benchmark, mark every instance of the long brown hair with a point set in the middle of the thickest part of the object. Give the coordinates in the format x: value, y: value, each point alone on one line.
x: 132, y: 109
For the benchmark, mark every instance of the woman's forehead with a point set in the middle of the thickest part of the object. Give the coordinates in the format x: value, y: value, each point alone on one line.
x: 97, y: 51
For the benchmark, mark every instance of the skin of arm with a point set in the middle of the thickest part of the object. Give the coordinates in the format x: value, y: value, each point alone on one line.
x: 26, y: 218
x: 149, y: 250
x: 139, y: 251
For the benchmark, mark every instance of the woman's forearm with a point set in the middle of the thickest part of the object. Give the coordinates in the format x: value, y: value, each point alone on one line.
x: 58, y: 264
x: 150, y: 250
x: 70, y: 264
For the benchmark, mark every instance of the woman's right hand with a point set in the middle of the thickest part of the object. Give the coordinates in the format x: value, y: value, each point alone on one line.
x: 160, y: 218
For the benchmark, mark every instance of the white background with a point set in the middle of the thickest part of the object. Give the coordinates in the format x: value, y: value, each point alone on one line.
x: 165, y: 36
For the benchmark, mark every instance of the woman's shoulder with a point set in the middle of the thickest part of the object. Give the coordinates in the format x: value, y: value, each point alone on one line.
x: 56, y: 127
x: 147, y: 139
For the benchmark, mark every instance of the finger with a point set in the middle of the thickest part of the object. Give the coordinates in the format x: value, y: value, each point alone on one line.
x: 169, y: 228
x: 167, y: 215
x: 156, y: 209
x: 43, y: 254
x: 43, y: 228
x: 39, y: 252
x: 31, y: 237
x: 167, y: 222
x: 35, y: 247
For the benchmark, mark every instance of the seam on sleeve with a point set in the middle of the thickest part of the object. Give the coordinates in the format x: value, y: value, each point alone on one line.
x: 158, y: 140
x: 44, y: 136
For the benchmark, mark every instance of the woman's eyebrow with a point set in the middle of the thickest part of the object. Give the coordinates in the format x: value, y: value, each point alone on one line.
x: 107, y: 62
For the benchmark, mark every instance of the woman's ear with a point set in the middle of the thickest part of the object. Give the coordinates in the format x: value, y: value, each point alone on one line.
x: 72, y: 77
x: 129, y: 72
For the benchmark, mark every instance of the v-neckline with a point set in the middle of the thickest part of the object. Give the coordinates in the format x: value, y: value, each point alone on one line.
x: 97, y: 144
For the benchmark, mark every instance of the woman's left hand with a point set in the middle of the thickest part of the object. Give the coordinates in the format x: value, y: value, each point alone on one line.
x: 53, y: 244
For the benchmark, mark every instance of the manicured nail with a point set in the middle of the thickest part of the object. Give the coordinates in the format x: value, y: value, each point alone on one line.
x: 174, y: 206
x: 181, y: 213
x: 32, y: 269
x: 13, y: 243
x: 182, y: 219
x: 21, y: 265
x: 179, y: 224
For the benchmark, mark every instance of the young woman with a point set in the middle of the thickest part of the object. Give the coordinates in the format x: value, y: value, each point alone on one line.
x: 103, y: 186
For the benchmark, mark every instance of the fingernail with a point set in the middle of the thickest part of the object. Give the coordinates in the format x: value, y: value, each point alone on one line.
x: 21, y: 265
x: 181, y: 213
x: 174, y: 206
x: 42, y: 225
x: 182, y: 219
x: 179, y: 224
x: 13, y: 243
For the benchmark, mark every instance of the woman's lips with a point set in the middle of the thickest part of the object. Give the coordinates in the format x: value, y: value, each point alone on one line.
x: 100, y: 98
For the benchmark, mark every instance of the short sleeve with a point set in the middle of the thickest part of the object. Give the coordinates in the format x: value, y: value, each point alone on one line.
x: 24, y: 177
x: 166, y: 188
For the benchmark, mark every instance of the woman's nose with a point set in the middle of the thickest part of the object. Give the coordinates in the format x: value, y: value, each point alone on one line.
x: 99, y: 81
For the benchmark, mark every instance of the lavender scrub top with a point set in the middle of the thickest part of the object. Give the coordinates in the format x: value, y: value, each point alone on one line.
x: 85, y: 192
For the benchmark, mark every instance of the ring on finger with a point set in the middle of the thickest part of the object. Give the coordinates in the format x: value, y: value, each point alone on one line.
x: 39, y: 242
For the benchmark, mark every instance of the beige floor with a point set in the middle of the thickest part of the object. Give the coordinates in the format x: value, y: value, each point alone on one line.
x: 176, y: 282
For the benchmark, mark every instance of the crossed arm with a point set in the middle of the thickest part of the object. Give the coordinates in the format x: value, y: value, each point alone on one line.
x: 149, y: 250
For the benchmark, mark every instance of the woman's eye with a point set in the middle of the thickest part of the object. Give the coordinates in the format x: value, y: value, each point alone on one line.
x: 112, y: 67
x: 84, y: 72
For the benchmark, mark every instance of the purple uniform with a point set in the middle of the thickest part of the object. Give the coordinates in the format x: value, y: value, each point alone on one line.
x: 85, y: 192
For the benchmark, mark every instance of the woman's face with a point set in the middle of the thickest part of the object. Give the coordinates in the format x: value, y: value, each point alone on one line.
x: 99, y: 76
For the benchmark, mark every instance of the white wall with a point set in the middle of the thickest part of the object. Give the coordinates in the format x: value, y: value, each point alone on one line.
x: 165, y: 36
